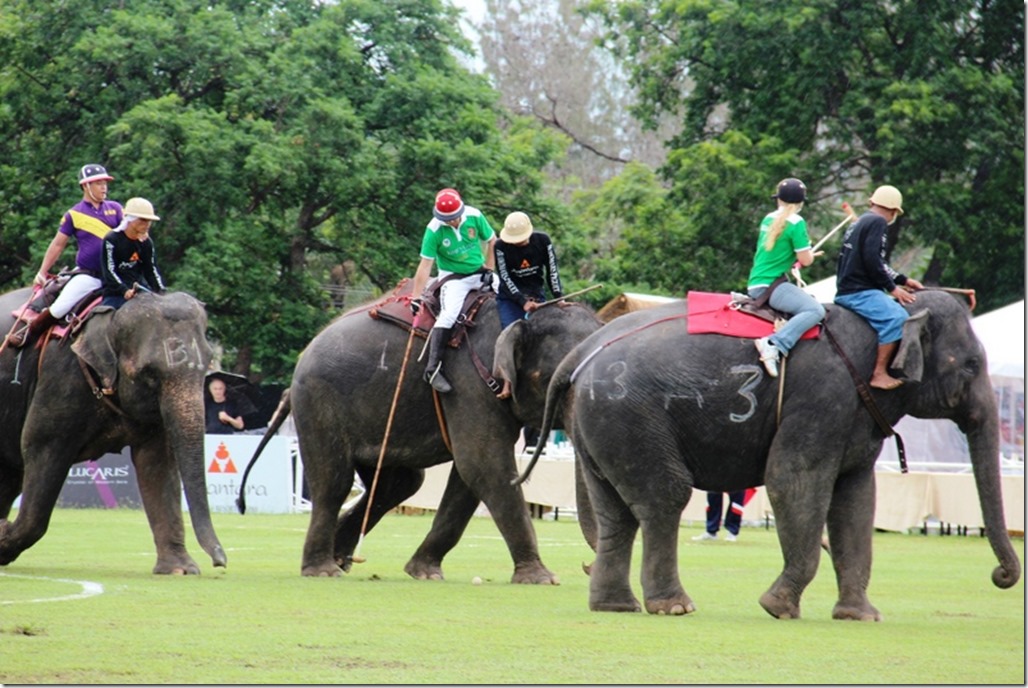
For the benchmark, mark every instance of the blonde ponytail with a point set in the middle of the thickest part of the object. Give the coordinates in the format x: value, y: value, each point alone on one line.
x: 785, y: 211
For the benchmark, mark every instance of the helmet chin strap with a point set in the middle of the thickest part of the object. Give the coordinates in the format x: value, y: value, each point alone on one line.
x: 89, y: 192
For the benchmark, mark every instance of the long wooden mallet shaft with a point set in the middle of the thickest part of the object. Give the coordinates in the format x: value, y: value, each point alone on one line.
x: 850, y: 217
x: 568, y: 296
x: 357, y: 558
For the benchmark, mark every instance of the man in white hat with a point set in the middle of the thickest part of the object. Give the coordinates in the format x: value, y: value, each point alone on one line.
x: 88, y: 221
x: 526, y: 264
x: 129, y: 259
x: 867, y: 285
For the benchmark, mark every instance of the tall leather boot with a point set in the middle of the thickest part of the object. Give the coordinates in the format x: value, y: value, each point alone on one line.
x: 434, y: 366
x: 27, y: 334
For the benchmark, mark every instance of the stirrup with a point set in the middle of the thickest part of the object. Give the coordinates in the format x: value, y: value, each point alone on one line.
x: 436, y: 379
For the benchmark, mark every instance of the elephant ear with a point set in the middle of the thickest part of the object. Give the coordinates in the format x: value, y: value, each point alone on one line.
x: 909, y: 359
x: 94, y: 347
x: 505, y: 353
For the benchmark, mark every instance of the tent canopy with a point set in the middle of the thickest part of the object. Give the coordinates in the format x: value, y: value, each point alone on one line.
x: 628, y: 302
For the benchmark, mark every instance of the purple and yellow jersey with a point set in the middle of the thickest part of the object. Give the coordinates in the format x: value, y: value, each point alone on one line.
x: 89, y: 225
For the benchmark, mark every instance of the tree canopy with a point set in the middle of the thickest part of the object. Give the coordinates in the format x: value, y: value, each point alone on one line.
x: 925, y: 95
x: 278, y: 139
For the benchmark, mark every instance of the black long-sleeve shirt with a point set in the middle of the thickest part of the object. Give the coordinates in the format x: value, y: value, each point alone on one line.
x: 862, y: 263
x: 525, y: 270
x: 127, y: 261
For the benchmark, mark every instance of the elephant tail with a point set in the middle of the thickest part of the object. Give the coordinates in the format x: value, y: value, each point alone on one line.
x: 555, y: 393
x: 279, y: 417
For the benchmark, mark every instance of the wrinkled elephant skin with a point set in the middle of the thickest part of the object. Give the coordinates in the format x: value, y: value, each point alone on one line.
x: 153, y: 353
x: 654, y: 412
x: 340, y: 397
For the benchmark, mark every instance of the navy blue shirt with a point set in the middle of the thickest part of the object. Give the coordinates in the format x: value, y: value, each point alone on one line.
x: 862, y: 263
x: 525, y: 270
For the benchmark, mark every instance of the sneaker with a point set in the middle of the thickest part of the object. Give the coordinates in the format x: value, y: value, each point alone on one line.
x: 705, y: 536
x: 769, y: 354
x: 731, y: 537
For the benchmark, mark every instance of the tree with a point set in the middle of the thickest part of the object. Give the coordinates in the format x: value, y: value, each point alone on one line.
x: 928, y: 96
x: 277, y: 139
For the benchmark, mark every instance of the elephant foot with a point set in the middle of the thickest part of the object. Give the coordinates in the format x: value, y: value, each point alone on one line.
x: 779, y: 606
x: 849, y: 612
x: 176, y: 567
x: 629, y: 604
x: 218, y: 557
x: 325, y: 570
x: 420, y: 570
x: 534, y: 574
x: 679, y: 605
x: 6, y: 555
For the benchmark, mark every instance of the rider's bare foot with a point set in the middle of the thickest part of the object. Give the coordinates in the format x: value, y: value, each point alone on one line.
x: 505, y: 392
x: 885, y: 382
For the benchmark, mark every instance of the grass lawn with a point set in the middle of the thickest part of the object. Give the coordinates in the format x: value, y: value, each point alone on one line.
x: 259, y: 621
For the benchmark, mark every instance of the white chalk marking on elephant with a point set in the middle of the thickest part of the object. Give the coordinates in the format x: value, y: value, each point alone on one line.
x: 17, y: 368
x: 755, y: 373
x: 382, y: 359
x: 89, y: 589
x: 691, y: 394
x: 176, y: 352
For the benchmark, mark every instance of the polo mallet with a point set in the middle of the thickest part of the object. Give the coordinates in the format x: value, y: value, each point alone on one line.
x: 357, y: 558
x: 14, y: 325
x: 850, y: 217
x: 568, y: 296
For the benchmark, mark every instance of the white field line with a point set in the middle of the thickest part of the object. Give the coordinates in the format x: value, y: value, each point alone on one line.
x: 89, y: 589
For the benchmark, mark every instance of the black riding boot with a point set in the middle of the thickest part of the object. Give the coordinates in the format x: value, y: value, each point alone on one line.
x: 27, y: 334
x: 434, y: 367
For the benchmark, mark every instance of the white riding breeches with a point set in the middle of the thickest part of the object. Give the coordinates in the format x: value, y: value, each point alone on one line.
x: 451, y: 298
x: 77, y: 288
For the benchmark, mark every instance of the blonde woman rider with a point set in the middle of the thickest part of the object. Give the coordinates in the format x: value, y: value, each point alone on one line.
x: 783, y: 241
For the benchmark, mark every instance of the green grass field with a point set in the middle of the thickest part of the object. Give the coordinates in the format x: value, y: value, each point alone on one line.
x: 259, y: 621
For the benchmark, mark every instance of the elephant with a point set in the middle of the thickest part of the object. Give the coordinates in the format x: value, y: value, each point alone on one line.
x: 132, y: 376
x: 654, y: 411
x: 343, y: 387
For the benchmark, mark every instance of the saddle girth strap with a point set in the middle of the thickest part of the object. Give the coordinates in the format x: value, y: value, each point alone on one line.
x: 99, y: 392
x: 869, y: 403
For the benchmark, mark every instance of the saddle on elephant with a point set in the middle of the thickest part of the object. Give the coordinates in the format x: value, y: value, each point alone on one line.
x: 395, y: 309
x: 735, y: 315
x: 42, y: 297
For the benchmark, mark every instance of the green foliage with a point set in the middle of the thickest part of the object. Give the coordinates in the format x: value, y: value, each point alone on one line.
x: 277, y: 139
x: 928, y: 96
x: 259, y: 621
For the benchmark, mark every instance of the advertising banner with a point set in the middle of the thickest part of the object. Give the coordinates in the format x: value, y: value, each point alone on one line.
x: 108, y: 482
x: 269, y: 485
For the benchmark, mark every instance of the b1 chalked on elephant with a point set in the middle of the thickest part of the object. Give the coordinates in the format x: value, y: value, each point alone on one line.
x: 654, y: 412
x: 150, y: 357
x: 340, y: 398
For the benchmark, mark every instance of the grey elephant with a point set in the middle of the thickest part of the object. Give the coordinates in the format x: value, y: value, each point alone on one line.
x: 654, y: 412
x: 340, y: 397
x: 151, y: 355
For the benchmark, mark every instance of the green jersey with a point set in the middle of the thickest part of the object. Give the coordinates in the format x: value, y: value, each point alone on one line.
x: 458, y: 250
x: 770, y: 265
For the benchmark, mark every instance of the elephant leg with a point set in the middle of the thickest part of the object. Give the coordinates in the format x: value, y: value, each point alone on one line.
x: 161, y: 491
x: 800, y: 508
x: 661, y: 582
x: 586, y: 517
x: 456, y: 507
x: 10, y: 488
x: 850, y: 529
x: 329, y: 482
x: 609, y: 587
x: 43, y: 480
x: 393, y: 486
x: 510, y: 514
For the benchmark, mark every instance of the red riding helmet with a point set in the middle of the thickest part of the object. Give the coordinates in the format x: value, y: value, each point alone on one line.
x: 448, y: 205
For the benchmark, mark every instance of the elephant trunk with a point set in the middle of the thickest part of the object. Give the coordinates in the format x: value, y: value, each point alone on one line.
x: 184, y: 420
x: 981, y: 425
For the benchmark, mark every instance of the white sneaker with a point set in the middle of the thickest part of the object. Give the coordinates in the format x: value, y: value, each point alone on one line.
x: 705, y: 536
x: 731, y: 538
x: 769, y: 354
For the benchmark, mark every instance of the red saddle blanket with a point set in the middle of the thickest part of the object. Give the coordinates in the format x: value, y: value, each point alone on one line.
x: 711, y: 313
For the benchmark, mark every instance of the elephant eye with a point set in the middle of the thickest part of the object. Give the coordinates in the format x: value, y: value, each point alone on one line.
x: 973, y: 366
